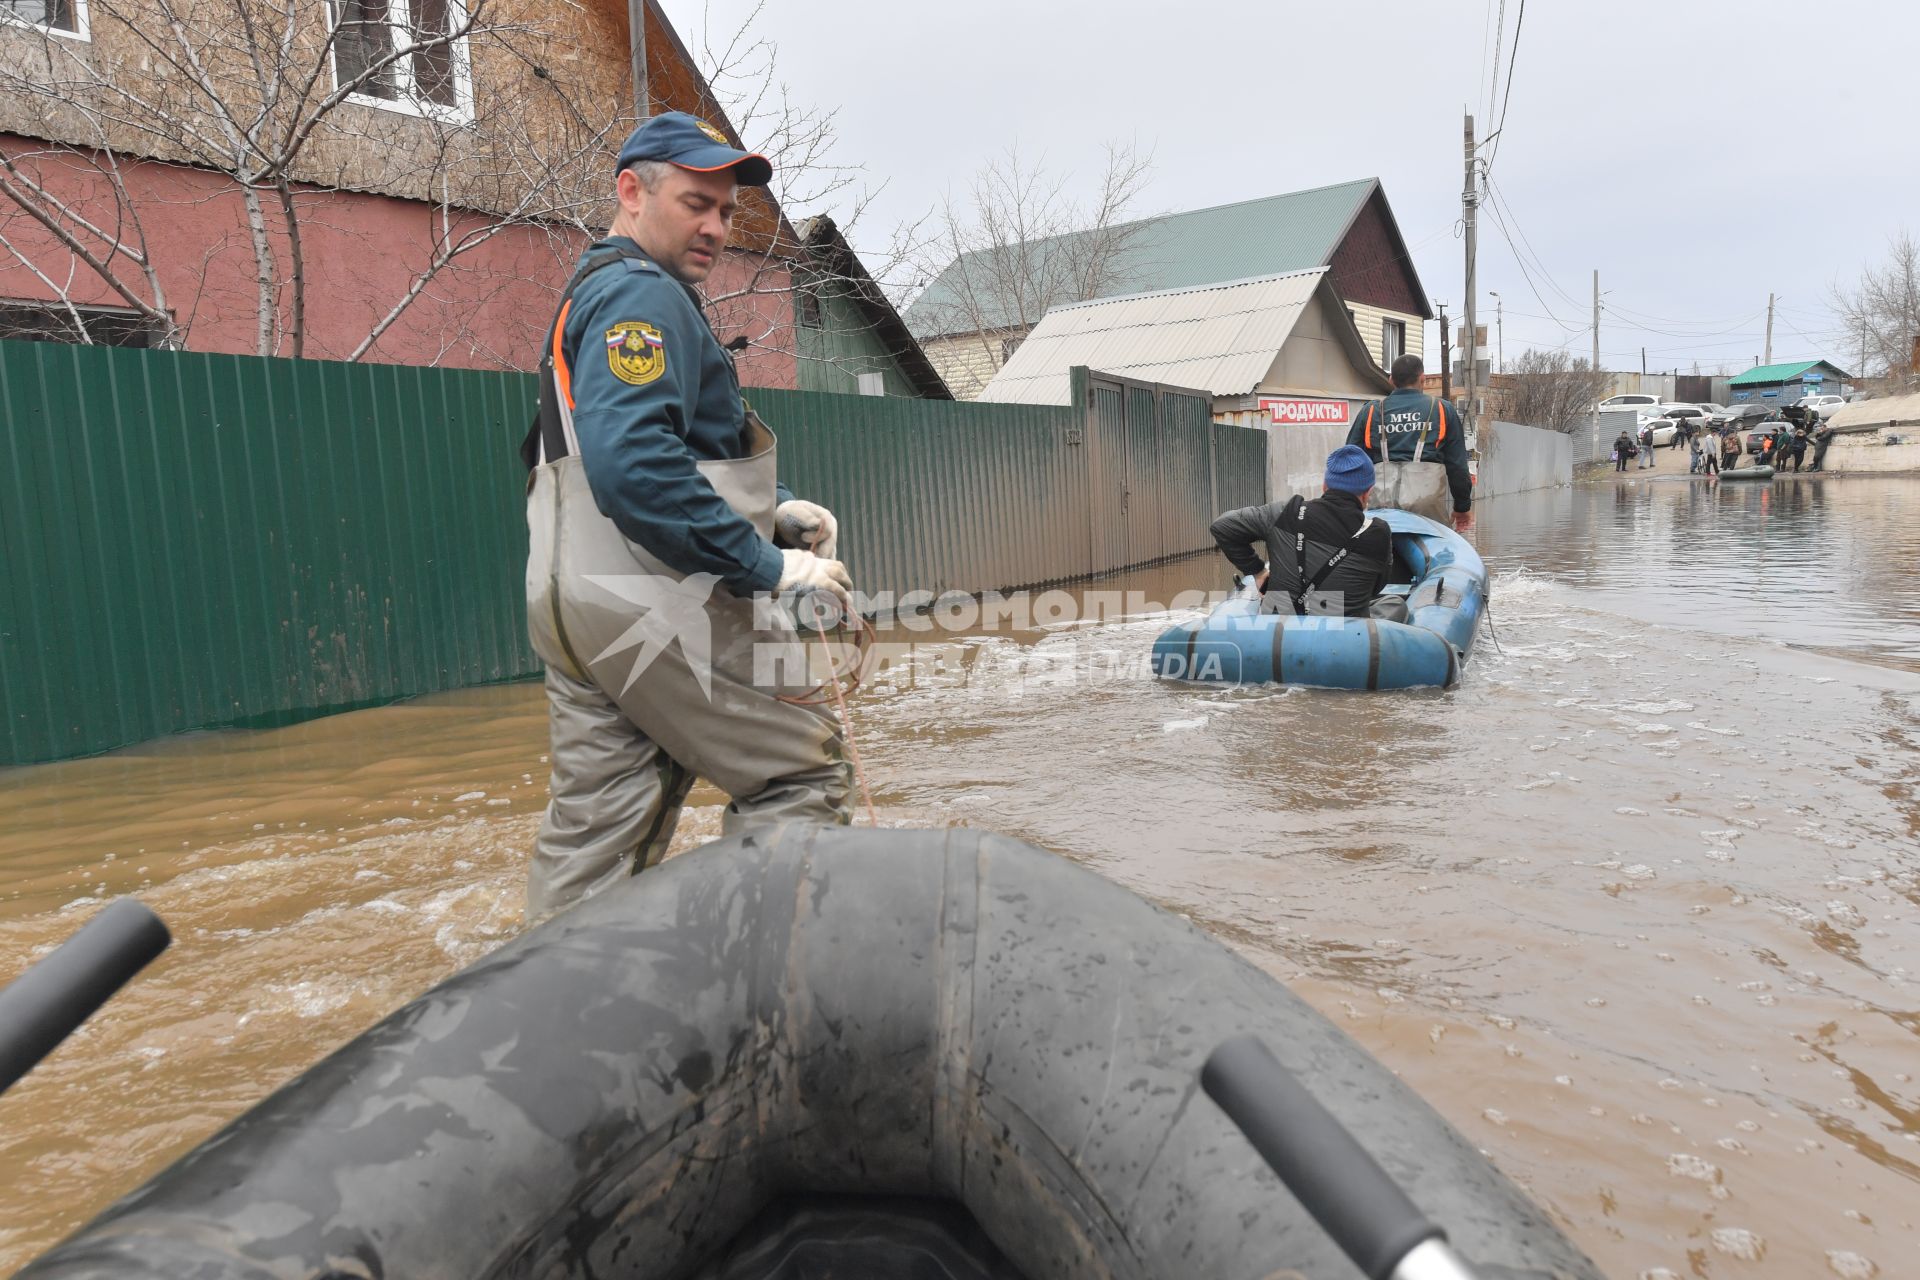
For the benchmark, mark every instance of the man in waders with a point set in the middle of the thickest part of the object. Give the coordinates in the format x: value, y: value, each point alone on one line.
x: 1420, y: 447
x: 655, y: 519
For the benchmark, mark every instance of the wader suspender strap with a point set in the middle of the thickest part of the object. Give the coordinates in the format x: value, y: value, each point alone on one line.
x: 551, y: 435
x: 1434, y: 411
x: 1296, y: 511
x: 1434, y: 414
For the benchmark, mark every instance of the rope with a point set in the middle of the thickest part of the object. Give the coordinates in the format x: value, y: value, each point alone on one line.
x: 842, y: 681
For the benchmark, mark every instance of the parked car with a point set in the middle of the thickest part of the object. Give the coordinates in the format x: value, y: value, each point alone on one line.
x: 1645, y: 406
x: 1742, y: 416
x: 1822, y: 405
x: 1670, y: 416
x: 1753, y: 438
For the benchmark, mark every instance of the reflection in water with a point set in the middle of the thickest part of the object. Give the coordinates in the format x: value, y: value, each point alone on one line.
x: 1635, y: 906
x: 1827, y: 562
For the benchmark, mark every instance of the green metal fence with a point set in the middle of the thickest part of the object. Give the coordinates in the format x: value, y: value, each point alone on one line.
x: 196, y: 540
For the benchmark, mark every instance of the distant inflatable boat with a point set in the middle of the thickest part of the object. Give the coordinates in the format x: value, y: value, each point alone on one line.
x: 932, y: 1054
x: 1445, y: 585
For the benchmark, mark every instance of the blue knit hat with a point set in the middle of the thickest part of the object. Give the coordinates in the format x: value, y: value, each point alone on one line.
x: 1349, y: 469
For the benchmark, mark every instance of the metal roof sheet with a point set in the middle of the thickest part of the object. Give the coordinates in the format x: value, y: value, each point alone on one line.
x: 1291, y: 232
x: 1767, y: 374
x: 1220, y: 338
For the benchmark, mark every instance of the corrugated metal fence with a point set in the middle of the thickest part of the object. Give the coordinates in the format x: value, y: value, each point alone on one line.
x: 198, y: 540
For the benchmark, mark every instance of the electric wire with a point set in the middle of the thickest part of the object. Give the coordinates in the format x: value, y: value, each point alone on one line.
x: 1500, y: 131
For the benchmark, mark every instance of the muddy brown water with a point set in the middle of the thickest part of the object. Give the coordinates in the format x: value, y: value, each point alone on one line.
x: 1635, y: 907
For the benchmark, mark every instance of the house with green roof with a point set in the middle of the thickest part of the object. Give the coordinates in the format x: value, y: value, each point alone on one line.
x: 1785, y: 383
x: 972, y: 316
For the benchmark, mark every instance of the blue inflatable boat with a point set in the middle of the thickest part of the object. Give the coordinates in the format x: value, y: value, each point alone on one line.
x: 1445, y: 585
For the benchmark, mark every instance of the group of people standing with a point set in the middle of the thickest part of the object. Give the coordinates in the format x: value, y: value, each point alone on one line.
x: 1713, y: 449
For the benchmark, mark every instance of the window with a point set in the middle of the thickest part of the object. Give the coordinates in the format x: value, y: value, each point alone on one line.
x: 51, y: 322
x: 873, y: 384
x: 806, y: 308
x: 1010, y: 345
x: 1393, y: 341
x: 430, y: 76
x: 62, y: 17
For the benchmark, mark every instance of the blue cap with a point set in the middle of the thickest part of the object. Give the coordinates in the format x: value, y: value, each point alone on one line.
x: 692, y: 143
x: 1349, y: 469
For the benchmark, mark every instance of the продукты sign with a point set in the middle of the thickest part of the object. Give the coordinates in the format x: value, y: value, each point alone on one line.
x: 1295, y: 412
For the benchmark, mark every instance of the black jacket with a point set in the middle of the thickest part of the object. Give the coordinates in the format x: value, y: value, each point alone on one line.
x: 1329, y: 523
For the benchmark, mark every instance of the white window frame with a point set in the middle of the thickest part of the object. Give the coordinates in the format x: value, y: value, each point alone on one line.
x: 82, y: 22
x: 400, y: 18
x: 1387, y: 324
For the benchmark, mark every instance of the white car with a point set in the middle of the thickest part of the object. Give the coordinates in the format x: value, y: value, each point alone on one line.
x: 1821, y: 404
x: 1669, y: 418
x: 1645, y: 405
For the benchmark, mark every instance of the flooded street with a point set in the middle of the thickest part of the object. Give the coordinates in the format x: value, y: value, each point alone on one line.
x: 1636, y: 907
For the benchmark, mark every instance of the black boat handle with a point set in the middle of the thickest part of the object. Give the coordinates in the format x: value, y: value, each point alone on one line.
x: 1328, y: 1171
x: 44, y: 1005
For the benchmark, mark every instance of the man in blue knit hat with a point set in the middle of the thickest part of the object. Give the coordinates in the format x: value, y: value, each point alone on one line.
x: 1325, y: 556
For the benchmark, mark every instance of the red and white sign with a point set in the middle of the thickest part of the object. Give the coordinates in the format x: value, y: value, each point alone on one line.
x: 1301, y: 413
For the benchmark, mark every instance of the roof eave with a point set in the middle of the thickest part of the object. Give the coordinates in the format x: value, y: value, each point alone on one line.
x: 825, y: 240
x: 1405, y: 257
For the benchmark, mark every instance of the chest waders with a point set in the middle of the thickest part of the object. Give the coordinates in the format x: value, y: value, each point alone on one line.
x: 656, y: 677
x: 1320, y: 594
x: 1418, y: 485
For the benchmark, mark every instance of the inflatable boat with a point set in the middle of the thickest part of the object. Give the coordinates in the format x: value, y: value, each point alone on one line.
x: 825, y: 1051
x: 1436, y: 571
x: 1759, y: 472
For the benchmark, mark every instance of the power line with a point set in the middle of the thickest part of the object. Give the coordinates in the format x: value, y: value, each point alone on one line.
x: 1500, y: 196
x: 1526, y: 275
x: 1518, y: 22
x: 1738, y: 327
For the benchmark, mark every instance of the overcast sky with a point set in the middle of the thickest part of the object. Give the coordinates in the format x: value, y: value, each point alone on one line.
x: 1698, y: 153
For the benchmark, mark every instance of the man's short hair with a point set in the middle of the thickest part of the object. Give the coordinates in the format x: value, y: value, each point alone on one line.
x: 1407, y: 370
x: 649, y: 172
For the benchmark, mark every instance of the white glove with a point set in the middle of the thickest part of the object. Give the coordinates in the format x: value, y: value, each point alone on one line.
x: 807, y: 525
x: 805, y: 571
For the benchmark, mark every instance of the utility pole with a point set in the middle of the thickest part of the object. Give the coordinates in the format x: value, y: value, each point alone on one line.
x: 1769, y: 357
x: 1643, y: 362
x: 1446, y: 354
x: 1596, y: 319
x: 637, y: 54
x: 1469, y: 205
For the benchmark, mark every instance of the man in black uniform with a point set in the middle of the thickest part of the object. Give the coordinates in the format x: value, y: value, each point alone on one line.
x: 1326, y: 556
x: 1822, y: 438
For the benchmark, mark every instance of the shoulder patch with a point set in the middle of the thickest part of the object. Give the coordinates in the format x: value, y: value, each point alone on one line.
x: 636, y: 352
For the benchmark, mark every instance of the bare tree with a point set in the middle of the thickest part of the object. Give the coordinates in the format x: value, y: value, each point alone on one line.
x: 265, y: 101
x: 1020, y: 244
x: 1554, y: 391
x: 1881, y: 313
x: 775, y: 286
